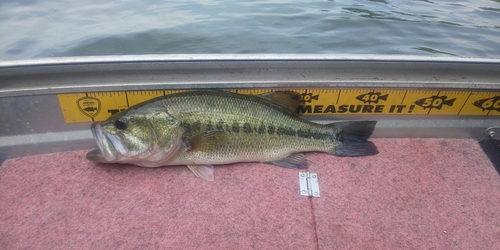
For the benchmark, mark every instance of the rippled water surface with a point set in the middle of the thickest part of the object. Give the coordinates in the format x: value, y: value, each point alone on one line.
x: 32, y: 28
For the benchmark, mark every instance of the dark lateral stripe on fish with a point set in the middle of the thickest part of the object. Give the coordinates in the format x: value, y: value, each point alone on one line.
x: 196, y: 126
x: 247, y: 128
x: 209, y: 126
x: 262, y: 129
x: 235, y: 127
x: 314, y: 135
x: 220, y: 125
x: 270, y: 129
x: 286, y: 131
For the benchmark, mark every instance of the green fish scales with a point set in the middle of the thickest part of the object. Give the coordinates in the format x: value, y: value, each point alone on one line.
x: 245, y: 128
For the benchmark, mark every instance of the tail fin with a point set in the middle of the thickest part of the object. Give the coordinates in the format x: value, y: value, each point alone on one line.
x: 353, y: 138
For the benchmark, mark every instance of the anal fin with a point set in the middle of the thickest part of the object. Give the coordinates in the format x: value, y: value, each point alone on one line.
x: 293, y: 161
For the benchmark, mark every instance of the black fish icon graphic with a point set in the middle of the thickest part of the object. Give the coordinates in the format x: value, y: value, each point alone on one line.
x: 90, y: 109
x: 308, y: 97
x: 435, y: 102
x: 492, y: 103
x: 372, y: 97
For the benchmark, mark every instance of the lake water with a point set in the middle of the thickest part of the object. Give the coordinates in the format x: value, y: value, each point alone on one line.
x: 34, y: 29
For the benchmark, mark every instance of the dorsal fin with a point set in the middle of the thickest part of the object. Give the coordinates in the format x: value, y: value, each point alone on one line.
x: 286, y: 100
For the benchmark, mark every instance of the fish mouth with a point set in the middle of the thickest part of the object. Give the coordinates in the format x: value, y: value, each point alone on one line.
x: 106, y: 150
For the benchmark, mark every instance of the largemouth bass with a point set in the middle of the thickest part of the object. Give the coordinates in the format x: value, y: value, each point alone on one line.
x: 200, y: 129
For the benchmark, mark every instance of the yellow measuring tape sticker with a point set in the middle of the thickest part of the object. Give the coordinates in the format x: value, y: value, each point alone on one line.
x: 88, y: 107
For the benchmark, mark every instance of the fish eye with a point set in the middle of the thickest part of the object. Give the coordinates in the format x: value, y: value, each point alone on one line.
x: 121, y: 124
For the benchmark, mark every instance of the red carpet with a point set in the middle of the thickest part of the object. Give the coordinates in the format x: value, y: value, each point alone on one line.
x: 415, y: 194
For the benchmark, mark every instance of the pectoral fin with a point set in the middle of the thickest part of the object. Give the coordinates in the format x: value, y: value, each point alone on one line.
x: 205, y: 172
x: 292, y: 161
x: 198, y: 141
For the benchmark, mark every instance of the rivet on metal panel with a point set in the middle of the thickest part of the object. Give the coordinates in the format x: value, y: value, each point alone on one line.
x: 492, y: 132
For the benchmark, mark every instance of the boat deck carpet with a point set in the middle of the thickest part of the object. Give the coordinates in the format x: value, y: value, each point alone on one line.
x: 415, y: 194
